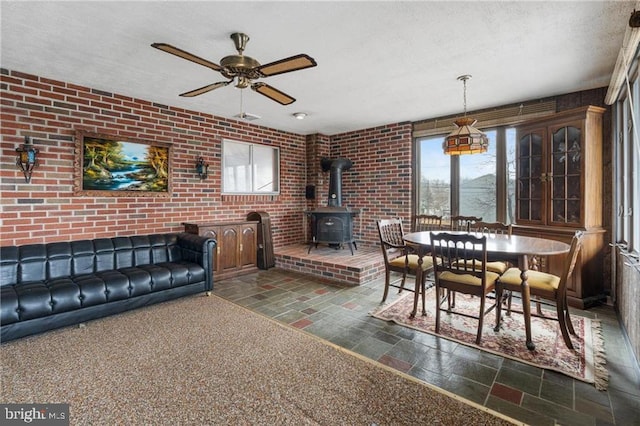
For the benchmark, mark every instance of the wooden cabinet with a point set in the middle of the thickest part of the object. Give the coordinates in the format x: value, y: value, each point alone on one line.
x: 559, y: 170
x: 236, y: 251
x: 559, y: 190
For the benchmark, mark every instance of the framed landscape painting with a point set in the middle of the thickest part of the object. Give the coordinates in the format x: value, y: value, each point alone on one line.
x: 107, y: 165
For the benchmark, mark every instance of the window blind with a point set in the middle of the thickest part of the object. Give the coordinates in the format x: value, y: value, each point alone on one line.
x: 504, y: 116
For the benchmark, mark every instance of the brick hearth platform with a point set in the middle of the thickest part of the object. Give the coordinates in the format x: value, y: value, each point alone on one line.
x: 365, y: 265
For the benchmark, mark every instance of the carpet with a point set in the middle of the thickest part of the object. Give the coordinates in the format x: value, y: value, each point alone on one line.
x: 586, y: 362
x: 204, y: 360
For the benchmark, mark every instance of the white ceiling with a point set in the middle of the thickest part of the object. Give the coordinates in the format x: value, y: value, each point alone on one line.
x: 378, y: 62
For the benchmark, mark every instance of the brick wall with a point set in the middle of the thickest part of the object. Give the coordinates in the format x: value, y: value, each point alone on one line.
x: 379, y: 183
x: 47, y: 210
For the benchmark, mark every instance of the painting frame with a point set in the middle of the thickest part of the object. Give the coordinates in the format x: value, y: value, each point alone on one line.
x: 112, y: 166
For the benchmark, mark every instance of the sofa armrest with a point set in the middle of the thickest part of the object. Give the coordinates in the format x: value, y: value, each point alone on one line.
x: 195, y: 248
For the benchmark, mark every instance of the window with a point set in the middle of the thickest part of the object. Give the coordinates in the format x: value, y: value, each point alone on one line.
x: 250, y: 168
x: 435, y: 178
x: 627, y: 165
x: 480, y: 185
x: 478, y: 182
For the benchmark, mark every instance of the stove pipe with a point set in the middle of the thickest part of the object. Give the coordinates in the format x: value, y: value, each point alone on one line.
x: 335, y: 168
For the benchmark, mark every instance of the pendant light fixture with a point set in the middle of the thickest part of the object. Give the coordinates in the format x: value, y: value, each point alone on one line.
x: 465, y: 139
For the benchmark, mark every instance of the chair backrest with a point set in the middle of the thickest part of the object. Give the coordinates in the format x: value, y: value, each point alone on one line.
x: 427, y: 222
x: 391, y: 238
x: 576, y: 245
x: 463, y: 223
x: 461, y: 254
x: 490, y: 228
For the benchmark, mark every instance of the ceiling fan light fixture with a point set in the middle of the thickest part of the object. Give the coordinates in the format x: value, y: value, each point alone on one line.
x: 244, y: 69
x: 242, y: 82
x: 300, y: 115
x: 465, y: 139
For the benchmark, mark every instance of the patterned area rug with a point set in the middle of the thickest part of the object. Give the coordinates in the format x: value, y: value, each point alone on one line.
x: 585, y: 362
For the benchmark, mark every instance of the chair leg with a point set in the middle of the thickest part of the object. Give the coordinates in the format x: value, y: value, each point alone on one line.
x: 387, y: 278
x: 404, y: 277
x: 480, y: 320
x: 563, y: 325
x: 423, y: 290
x: 568, y: 317
x: 439, y: 300
x: 569, y: 324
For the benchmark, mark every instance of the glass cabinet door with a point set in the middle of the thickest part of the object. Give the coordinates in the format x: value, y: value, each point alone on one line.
x: 530, y: 187
x: 564, y: 176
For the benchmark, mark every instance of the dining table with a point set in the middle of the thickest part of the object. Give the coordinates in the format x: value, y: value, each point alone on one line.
x: 515, y: 249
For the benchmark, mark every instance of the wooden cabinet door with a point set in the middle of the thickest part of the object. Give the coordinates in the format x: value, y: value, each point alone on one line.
x: 248, y: 249
x: 564, y: 175
x: 228, y: 243
x: 531, y: 189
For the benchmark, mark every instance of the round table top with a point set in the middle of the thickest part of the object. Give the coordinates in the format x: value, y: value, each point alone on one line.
x: 503, y: 244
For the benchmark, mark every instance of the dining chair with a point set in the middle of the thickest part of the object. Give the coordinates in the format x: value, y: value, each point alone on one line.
x: 426, y: 222
x: 462, y: 223
x: 399, y: 257
x: 461, y: 267
x: 491, y: 230
x: 548, y: 289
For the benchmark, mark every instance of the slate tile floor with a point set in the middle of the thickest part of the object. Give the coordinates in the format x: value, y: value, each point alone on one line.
x: 528, y: 394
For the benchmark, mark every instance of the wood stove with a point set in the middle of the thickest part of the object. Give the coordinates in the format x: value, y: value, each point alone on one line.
x: 333, y: 224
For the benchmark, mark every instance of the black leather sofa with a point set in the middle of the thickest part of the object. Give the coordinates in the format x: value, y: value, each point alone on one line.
x: 46, y: 286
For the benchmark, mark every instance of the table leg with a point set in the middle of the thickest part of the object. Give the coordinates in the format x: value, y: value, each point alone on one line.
x: 526, y: 300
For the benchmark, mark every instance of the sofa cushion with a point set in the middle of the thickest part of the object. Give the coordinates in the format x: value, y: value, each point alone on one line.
x: 65, y: 295
x: 9, y: 305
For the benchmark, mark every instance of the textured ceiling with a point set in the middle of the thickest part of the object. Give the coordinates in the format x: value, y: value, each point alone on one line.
x: 378, y: 62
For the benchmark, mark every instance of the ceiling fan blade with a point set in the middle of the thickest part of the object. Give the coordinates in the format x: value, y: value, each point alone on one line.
x: 186, y: 55
x: 205, y: 89
x: 273, y: 93
x: 294, y: 63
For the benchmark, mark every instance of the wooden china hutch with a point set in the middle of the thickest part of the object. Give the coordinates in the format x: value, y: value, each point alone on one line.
x: 559, y: 190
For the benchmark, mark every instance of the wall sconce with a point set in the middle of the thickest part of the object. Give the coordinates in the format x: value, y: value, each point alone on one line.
x: 27, y: 158
x: 202, y: 168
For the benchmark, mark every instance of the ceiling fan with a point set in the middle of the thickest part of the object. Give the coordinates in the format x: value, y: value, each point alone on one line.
x: 244, y: 69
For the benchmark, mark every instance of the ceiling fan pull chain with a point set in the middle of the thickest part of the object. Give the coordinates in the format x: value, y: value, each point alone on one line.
x: 241, y: 107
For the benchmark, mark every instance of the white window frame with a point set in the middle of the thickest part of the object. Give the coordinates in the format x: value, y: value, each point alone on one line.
x: 252, y: 163
x: 626, y: 116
